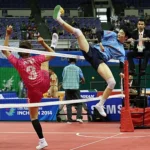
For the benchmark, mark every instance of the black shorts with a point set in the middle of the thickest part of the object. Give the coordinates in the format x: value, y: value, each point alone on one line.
x: 94, y: 57
x: 71, y: 94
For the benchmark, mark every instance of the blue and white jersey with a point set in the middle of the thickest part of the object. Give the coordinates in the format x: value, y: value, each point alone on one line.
x: 113, y: 49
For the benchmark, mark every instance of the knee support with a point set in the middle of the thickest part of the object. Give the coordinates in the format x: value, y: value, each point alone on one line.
x: 77, y: 32
x: 111, y: 83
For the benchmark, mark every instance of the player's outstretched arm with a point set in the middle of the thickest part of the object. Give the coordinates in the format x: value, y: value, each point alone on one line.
x: 42, y: 42
x: 6, y: 41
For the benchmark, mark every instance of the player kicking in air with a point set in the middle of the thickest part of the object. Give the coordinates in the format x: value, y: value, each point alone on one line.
x: 110, y: 47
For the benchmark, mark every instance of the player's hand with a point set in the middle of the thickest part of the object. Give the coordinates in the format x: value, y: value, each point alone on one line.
x: 121, y: 75
x: 130, y: 40
x: 40, y: 40
x: 9, y: 30
x: 101, y: 47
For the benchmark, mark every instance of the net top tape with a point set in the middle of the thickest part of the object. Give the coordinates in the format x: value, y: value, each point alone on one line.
x: 15, y: 49
x: 56, y: 102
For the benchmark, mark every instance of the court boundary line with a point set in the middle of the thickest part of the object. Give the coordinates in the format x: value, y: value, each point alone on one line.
x: 109, y: 137
x: 124, y: 137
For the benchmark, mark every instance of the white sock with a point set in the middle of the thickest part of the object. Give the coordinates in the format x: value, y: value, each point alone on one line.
x: 53, y: 45
x: 102, y: 101
x: 42, y: 140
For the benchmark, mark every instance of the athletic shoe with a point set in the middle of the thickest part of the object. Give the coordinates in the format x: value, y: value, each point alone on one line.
x: 100, y: 110
x: 42, y: 144
x: 79, y: 120
x: 69, y: 121
x: 58, y: 11
x: 54, y: 40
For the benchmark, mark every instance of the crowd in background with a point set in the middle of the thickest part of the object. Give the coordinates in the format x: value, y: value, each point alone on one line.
x: 29, y: 30
x: 129, y: 21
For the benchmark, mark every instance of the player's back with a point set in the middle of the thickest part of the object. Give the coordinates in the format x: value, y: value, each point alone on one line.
x: 30, y: 69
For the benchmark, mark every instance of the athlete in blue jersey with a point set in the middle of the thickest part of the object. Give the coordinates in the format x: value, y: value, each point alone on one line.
x: 110, y: 46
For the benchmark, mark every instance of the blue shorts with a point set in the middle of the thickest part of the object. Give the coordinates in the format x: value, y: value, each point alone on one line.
x: 94, y: 57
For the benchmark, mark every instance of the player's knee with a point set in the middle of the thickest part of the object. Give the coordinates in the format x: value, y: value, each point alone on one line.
x: 111, y: 83
x: 77, y: 32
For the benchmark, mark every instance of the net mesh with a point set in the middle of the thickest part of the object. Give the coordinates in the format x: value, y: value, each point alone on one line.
x: 11, y: 85
x: 10, y: 80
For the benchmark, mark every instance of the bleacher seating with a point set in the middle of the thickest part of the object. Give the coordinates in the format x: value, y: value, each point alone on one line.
x: 16, y: 22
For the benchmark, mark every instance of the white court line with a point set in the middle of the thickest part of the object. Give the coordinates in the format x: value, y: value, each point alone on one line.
x: 123, y: 137
x: 109, y: 137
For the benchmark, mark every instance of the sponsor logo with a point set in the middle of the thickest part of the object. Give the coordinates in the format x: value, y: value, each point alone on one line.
x: 110, y: 109
x: 88, y: 96
x: 11, y: 112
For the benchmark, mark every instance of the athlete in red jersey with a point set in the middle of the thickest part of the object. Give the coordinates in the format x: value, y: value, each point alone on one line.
x: 37, y: 81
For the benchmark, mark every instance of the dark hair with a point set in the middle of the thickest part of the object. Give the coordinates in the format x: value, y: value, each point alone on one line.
x: 24, y: 44
x: 70, y: 60
x: 126, y: 31
x: 141, y: 19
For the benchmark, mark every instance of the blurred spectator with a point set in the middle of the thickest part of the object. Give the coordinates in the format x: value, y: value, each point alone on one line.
x: 30, y: 35
x: 29, y: 27
x: 74, y: 44
x: 23, y: 26
x: 60, y: 31
x: 93, y: 31
x: 53, y: 90
x: 74, y: 23
x: 14, y: 36
x: 141, y: 47
x: 84, y: 29
x: 132, y: 82
x: 54, y: 30
x: 22, y: 89
x: 36, y: 34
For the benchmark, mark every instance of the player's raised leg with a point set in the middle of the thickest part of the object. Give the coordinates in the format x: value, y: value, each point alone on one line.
x: 83, y: 44
x: 108, y: 77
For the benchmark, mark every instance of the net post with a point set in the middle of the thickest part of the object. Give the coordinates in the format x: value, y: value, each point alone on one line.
x: 126, y: 119
x: 126, y: 86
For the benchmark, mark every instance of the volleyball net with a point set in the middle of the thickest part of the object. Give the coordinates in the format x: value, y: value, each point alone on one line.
x: 8, y: 83
x: 14, y: 77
